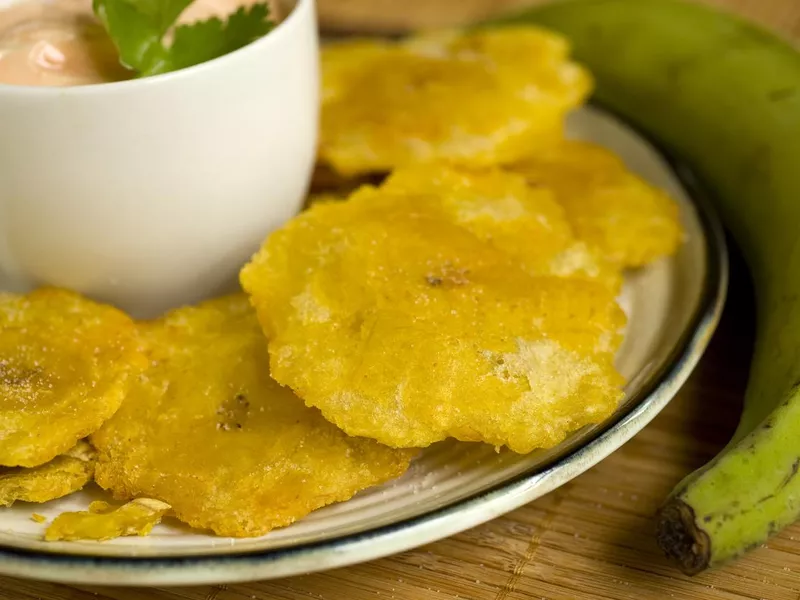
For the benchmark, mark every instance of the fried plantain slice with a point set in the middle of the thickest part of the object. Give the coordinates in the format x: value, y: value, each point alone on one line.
x: 100, y: 507
x: 103, y: 522
x: 65, y: 365
x: 402, y: 326
x: 208, y: 431
x: 630, y: 222
x: 502, y: 209
x: 476, y: 98
x: 320, y: 198
x: 61, y: 476
x: 343, y: 61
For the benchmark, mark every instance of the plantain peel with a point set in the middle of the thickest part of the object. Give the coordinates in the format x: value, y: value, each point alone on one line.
x: 65, y: 366
x: 403, y: 326
x: 629, y: 222
x: 208, y: 431
x: 61, y: 476
x: 503, y: 210
x: 475, y: 98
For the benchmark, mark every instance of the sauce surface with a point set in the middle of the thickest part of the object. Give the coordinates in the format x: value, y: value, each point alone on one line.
x: 60, y: 43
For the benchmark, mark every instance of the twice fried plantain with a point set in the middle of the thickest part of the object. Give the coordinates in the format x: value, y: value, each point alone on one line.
x: 476, y: 98
x: 630, y: 222
x: 502, y: 209
x: 65, y: 365
x: 103, y: 522
x: 61, y: 476
x: 208, y: 431
x: 403, y: 326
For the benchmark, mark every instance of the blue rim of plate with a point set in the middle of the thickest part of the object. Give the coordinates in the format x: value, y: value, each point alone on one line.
x: 443, y: 522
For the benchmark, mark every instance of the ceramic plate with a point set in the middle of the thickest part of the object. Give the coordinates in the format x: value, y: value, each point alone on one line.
x: 673, y: 307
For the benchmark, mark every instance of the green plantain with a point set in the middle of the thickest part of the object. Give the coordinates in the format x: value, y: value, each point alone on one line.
x: 725, y: 96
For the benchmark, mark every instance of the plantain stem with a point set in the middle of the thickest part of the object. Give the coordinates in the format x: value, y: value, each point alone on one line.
x: 680, y: 537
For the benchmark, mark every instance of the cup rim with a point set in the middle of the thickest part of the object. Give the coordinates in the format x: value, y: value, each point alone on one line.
x: 281, y: 30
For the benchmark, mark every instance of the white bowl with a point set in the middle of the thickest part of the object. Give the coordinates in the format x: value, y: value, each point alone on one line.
x: 151, y: 193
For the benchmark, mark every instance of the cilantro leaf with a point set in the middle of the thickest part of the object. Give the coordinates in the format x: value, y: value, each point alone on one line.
x: 202, y: 41
x: 138, y: 29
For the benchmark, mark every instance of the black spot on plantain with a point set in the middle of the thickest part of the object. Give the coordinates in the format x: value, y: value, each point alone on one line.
x: 786, y: 481
x: 792, y: 391
x: 761, y: 501
x: 773, y: 528
x: 791, y: 475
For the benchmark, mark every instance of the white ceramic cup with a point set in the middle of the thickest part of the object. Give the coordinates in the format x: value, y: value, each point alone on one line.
x: 152, y: 193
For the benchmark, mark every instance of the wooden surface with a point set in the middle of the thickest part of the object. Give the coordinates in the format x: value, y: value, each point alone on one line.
x: 591, y: 539
x: 387, y: 16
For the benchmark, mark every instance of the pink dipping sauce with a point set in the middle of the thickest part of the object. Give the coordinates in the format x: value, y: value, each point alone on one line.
x: 61, y: 43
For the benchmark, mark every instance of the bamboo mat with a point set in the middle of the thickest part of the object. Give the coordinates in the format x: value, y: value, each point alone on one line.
x: 591, y: 539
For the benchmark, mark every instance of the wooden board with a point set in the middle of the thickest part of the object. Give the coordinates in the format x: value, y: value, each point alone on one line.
x: 592, y: 539
x: 390, y: 16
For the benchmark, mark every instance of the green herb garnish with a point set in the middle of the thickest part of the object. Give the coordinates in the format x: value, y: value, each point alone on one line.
x: 138, y: 29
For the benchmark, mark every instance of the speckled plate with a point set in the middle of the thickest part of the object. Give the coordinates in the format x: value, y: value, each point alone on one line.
x: 673, y: 307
